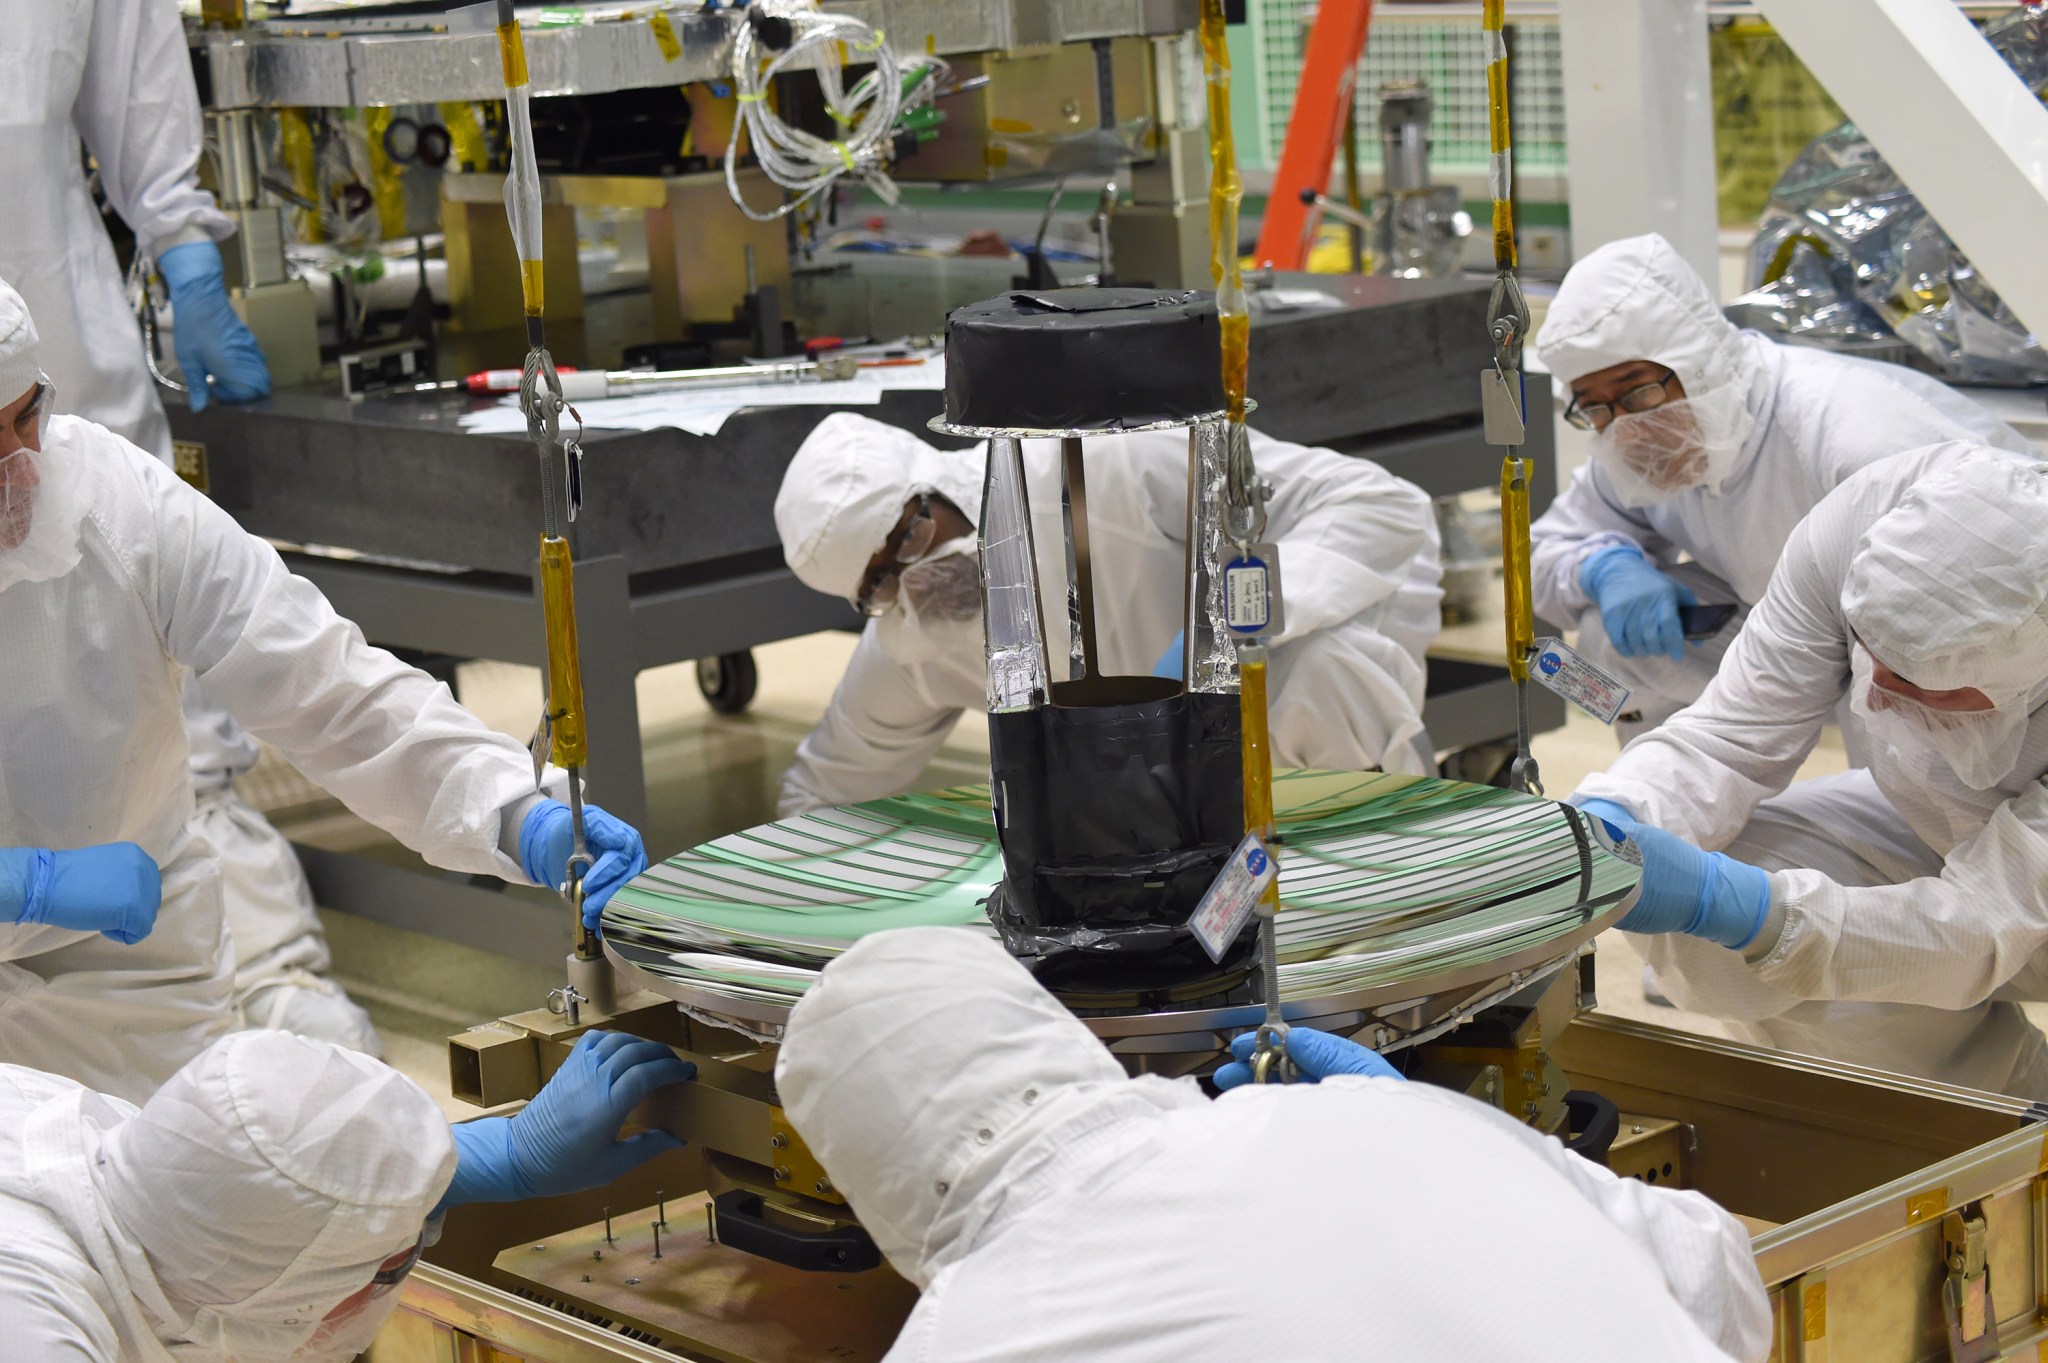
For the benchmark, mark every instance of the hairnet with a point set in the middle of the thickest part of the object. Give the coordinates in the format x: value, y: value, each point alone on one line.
x: 1947, y: 589
x: 268, y: 1179
x: 844, y: 492
x: 19, y: 363
x: 921, y: 1061
x: 1637, y: 299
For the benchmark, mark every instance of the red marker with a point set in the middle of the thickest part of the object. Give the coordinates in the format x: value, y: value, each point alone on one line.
x: 503, y: 380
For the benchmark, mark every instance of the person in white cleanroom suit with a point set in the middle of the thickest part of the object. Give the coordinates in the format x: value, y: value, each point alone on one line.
x: 1872, y: 916
x: 1359, y: 574
x: 266, y: 1203
x: 116, y: 581
x: 115, y: 75
x: 1712, y: 443
x: 1048, y: 1206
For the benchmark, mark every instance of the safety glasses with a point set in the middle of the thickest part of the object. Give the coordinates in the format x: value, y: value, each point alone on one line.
x: 909, y: 543
x: 39, y: 402
x: 393, y: 1274
x: 1595, y: 416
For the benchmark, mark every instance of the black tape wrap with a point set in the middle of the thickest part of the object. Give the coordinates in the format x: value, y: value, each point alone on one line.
x: 1083, y: 359
x: 1114, y: 819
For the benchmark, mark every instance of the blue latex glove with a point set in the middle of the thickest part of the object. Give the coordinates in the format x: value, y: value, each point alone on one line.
x: 1170, y: 662
x: 1706, y: 894
x: 113, y: 889
x: 567, y: 1139
x: 212, y: 343
x: 1638, y: 605
x: 1318, y: 1055
x: 548, y: 836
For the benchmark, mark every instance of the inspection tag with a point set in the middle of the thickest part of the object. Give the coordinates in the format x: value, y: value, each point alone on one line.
x: 1612, y: 840
x: 1229, y: 901
x: 1251, y: 591
x: 1559, y: 667
x: 1500, y: 409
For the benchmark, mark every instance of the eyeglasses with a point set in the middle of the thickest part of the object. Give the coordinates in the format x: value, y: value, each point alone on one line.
x: 884, y: 580
x: 1595, y: 416
x: 32, y: 411
x: 391, y: 1277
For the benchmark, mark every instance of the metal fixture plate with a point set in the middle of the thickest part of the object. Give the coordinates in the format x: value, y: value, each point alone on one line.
x: 709, y: 1300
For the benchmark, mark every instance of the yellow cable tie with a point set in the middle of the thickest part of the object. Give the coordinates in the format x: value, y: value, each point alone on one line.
x: 844, y: 154
x: 754, y: 98
x: 875, y: 46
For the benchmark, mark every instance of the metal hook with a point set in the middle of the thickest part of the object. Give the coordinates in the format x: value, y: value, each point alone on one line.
x: 1270, y: 1051
x: 567, y: 1003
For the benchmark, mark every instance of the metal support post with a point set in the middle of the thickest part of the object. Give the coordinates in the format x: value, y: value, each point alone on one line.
x: 1639, y: 118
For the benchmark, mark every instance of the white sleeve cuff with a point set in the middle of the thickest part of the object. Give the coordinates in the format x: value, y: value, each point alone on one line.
x: 1766, y: 940
x: 196, y: 230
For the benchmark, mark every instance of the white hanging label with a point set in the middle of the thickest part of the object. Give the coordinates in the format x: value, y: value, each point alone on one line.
x: 1232, y: 896
x: 1251, y: 592
x: 1612, y: 840
x: 1561, y: 669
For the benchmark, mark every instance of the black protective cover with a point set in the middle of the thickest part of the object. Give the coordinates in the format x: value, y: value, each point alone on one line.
x: 1113, y: 820
x: 1083, y: 359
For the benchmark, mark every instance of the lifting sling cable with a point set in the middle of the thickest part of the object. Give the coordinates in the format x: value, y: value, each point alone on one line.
x: 1244, y: 514
x: 1504, y: 395
x: 562, y: 733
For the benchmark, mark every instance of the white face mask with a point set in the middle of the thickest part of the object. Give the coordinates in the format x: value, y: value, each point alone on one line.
x: 20, y: 480
x: 946, y: 585
x: 341, y: 1339
x: 1980, y: 747
x: 41, y: 511
x: 938, y: 609
x: 1654, y: 456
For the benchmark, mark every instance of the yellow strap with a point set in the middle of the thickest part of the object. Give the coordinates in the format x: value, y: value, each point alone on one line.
x: 844, y: 154
x: 754, y: 98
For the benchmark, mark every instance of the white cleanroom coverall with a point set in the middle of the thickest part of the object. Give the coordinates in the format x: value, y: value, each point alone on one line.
x: 115, y: 74
x: 1050, y: 1207
x: 1903, y: 898
x: 1813, y: 419
x: 92, y: 750
x: 1359, y: 574
x: 262, y: 1187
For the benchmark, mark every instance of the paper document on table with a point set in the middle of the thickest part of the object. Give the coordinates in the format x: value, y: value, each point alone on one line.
x: 702, y: 411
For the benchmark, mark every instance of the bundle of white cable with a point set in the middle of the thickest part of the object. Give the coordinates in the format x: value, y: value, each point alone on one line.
x: 800, y: 162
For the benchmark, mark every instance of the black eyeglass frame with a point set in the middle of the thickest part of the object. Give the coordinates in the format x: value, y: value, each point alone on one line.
x: 1581, y: 416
